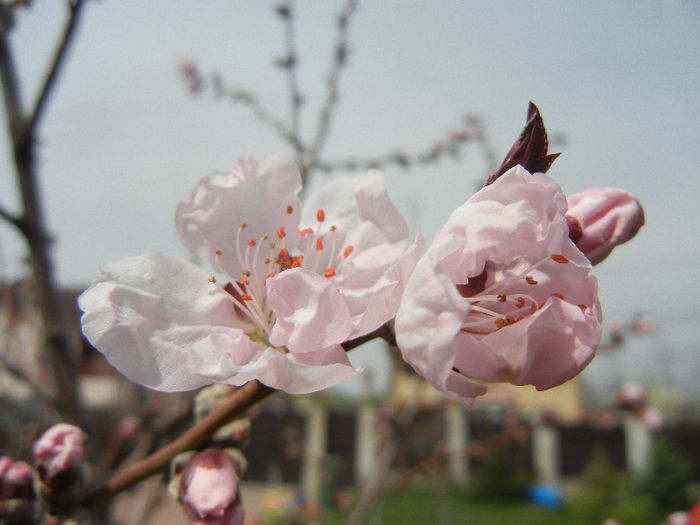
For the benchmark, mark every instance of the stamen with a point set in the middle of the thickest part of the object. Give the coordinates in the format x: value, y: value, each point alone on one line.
x: 212, y: 279
x: 319, y: 242
x: 289, y: 209
x: 330, y: 272
x: 251, y: 243
x: 320, y: 215
x: 305, y: 231
x: 281, y: 233
x: 347, y: 251
x: 559, y: 258
x: 531, y: 281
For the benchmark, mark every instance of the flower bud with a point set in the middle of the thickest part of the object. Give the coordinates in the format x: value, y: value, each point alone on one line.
x: 16, y: 491
x: 209, y: 490
x: 606, y: 217
x: 631, y: 395
x: 652, y: 418
x: 58, y: 457
x: 677, y: 518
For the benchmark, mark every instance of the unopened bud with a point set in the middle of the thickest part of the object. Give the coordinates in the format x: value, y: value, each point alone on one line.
x: 606, y: 217
x: 58, y: 456
x: 16, y: 491
x: 209, y: 490
x: 678, y: 518
x: 631, y: 395
x: 652, y: 418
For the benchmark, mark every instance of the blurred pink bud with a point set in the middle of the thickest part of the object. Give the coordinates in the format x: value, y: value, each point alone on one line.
x: 631, y: 395
x: 677, y: 518
x: 209, y: 490
x: 607, y: 217
x: 16, y: 480
x: 59, y: 455
x: 652, y: 418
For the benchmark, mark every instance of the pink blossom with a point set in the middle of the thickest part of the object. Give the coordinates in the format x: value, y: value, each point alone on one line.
x: 58, y: 456
x: 502, y: 294
x: 16, y: 480
x: 631, y: 395
x: 295, y: 283
x: 678, y: 518
x: 607, y: 217
x: 209, y: 490
x: 652, y: 418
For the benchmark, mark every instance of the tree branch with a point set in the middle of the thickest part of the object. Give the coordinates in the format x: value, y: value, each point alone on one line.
x: 76, y: 8
x: 340, y: 53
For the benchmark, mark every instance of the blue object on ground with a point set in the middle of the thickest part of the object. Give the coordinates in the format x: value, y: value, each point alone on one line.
x: 545, y: 496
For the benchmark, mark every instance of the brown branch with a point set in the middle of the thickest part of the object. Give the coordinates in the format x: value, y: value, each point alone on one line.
x: 290, y: 62
x: 22, y: 130
x: 240, y: 400
x: 340, y: 54
x: 76, y: 8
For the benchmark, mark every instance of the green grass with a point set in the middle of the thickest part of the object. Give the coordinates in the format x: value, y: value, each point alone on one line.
x: 436, y: 504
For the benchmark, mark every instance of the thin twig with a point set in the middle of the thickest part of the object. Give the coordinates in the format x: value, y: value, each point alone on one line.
x: 18, y: 373
x: 339, y: 60
x: 76, y: 8
x: 290, y: 62
x: 240, y: 400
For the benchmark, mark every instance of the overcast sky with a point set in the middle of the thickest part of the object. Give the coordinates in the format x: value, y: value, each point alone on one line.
x: 123, y: 141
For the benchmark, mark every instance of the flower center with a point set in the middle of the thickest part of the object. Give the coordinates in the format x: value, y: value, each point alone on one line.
x: 493, y: 307
x: 268, y: 255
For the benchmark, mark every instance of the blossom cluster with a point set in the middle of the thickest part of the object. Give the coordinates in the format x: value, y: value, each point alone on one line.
x: 504, y: 292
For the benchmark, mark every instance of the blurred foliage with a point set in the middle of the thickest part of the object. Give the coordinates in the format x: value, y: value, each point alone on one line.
x: 500, y: 476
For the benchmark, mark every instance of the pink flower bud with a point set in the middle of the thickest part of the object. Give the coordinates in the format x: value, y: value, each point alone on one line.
x: 631, y: 395
x: 209, y: 490
x: 652, y: 418
x: 59, y: 455
x: 607, y: 217
x: 16, y: 480
x: 678, y: 518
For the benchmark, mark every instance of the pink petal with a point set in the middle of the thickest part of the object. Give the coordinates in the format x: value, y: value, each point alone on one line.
x: 310, y: 311
x: 146, y: 313
x: 264, y: 196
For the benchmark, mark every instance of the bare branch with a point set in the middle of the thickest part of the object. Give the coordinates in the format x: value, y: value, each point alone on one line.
x: 76, y: 8
x: 18, y: 373
x: 13, y: 219
x: 197, y: 83
x: 290, y: 62
x: 339, y: 61
x: 450, y: 145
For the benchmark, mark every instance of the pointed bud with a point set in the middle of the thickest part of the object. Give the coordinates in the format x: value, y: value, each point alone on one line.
x: 58, y: 456
x: 606, y: 217
x: 530, y: 150
x: 209, y: 490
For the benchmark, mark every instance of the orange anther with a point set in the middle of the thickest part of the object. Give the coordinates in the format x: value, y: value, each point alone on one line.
x: 330, y: 272
x: 244, y: 281
x: 281, y: 233
x: 559, y: 258
x: 320, y: 215
x: 289, y: 209
x: 333, y: 228
x: 218, y: 252
x: 530, y: 280
x: 212, y: 279
x: 251, y: 242
x: 347, y: 251
x: 246, y: 297
x: 305, y: 231
x: 284, y: 254
x: 244, y: 225
x: 502, y: 298
x: 319, y: 242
